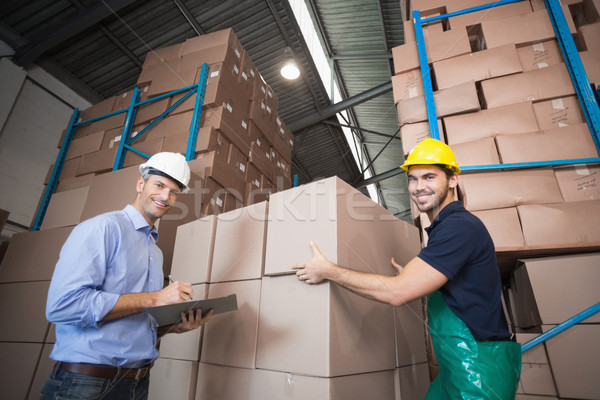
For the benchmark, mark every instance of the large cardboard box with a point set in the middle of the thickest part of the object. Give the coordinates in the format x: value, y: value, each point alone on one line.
x: 478, y: 152
x: 477, y: 66
x: 503, y: 225
x: 222, y: 382
x: 540, y: 55
x: 407, y: 84
x: 557, y: 113
x: 591, y: 64
x: 570, y: 142
x: 64, y: 208
x: 42, y: 372
x: 229, y: 176
x: 521, y: 29
x: 25, y: 319
x: 17, y: 378
x: 564, y: 224
x: 410, y: 327
x: 185, y: 346
x: 457, y: 99
x: 193, y: 250
x: 477, y: 17
x: 239, y: 244
x: 85, y: 144
x: 491, y: 190
x: 412, y: 381
x: 579, y: 182
x: 413, y: 134
x: 230, y: 339
x: 513, y: 118
x: 32, y: 256
x: 574, y: 355
x: 173, y: 379
x: 547, y: 83
x: 553, y: 289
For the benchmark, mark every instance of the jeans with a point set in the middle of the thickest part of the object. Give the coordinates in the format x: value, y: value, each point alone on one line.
x: 68, y: 385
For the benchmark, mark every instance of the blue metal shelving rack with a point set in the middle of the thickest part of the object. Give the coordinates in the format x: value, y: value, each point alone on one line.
x: 587, y: 97
x: 125, y: 144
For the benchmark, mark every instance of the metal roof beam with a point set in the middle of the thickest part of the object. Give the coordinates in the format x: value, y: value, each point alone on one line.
x: 361, y: 129
x: 341, y: 106
x: 84, y: 20
x: 189, y: 17
x: 379, y: 177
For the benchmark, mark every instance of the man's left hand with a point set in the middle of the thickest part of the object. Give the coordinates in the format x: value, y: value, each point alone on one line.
x: 190, y: 321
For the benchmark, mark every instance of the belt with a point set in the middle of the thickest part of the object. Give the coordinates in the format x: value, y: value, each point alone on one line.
x: 101, y: 371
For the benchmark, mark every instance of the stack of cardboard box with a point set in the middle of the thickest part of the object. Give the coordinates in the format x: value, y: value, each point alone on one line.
x: 526, y: 110
x: 289, y: 339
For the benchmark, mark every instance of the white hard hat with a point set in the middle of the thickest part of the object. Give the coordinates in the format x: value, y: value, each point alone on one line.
x: 172, y: 165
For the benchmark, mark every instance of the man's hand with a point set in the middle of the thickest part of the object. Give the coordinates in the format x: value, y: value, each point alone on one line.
x: 176, y: 292
x: 315, y: 269
x: 193, y: 320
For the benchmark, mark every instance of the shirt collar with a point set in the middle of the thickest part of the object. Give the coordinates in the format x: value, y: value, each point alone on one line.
x: 446, y: 211
x: 139, y: 222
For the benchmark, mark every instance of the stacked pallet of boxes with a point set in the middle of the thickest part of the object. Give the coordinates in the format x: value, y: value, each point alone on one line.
x: 243, y: 153
x: 289, y: 340
x: 503, y: 95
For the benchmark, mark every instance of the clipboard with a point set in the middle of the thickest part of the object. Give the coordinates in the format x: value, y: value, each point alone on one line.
x: 171, y: 313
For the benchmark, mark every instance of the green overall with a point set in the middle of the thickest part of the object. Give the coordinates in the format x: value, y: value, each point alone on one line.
x: 469, y: 369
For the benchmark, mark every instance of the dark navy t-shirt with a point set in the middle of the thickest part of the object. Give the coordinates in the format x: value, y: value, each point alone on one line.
x: 460, y: 247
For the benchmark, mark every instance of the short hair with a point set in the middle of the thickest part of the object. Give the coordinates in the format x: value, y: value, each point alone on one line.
x: 153, y: 171
x: 448, y: 171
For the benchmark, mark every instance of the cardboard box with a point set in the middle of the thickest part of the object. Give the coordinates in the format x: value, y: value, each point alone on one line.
x: 231, y: 338
x: 591, y: 64
x: 32, y: 256
x: 503, y: 225
x: 85, y: 144
x: 589, y: 35
x: 233, y: 127
x: 413, y: 134
x: 185, y: 346
x: 540, y: 55
x: 208, y: 139
x: 239, y: 244
x: 173, y: 379
x: 193, y: 250
x: 553, y: 289
x: 23, y: 358
x: 74, y: 183
x: 491, y: 190
x: 478, y: 152
x: 410, y: 328
x: 42, y: 372
x: 97, y: 162
x: 579, y: 182
x: 536, y: 379
x: 536, y: 85
x: 64, y: 208
x: 457, y: 99
x: 166, y: 77
x: 25, y: 319
x: 163, y: 54
x: 412, y: 382
x: 439, y: 46
x: 521, y: 29
x: 259, y: 155
x: 477, y: 66
x: 229, y: 176
x: 574, y: 355
x: 407, y: 84
x: 570, y: 142
x: 564, y: 224
x: 222, y: 382
x: 557, y: 113
x: 223, y: 43
x: 477, y: 17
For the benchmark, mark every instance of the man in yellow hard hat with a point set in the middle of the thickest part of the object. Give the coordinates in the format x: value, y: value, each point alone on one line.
x: 458, y: 272
x: 109, y: 271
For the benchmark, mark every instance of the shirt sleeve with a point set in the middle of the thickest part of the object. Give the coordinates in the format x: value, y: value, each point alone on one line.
x: 451, y: 246
x: 75, y: 296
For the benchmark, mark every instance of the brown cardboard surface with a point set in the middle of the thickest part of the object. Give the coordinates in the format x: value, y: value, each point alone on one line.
x: 477, y: 66
x: 23, y: 359
x: 410, y: 327
x: 590, y: 33
x: 557, y: 113
x: 231, y: 339
x: 413, y: 134
x: 228, y: 176
x: 503, y: 225
x: 217, y: 381
x: 85, y: 144
x: 74, y: 183
x: 540, y: 55
x: 536, y: 379
x: 579, y: 182
x: 559, y: 224
x: 574, y: 355
x: 173, y: 379
x: 536, y: 85
x: 407, y: 84
x: 239, y: 244
x: 42, y: 372
x: 99, y: 109
x: 158, y: 56
x: 64, y: 208
x: 570, y: 142
x: 478, y: 152
x: 412, y: 381
x: 491, y: 190
x: 25, y: 319
x: 494, y: 13
x: 193, y: 251
x: 457, y: 99
x: 591, y: 64
x: 513, y: 118
x: 31, y: 256
x: 97, y: 162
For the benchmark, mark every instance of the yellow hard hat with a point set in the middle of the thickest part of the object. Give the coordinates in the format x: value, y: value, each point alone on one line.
x: 429, y: 152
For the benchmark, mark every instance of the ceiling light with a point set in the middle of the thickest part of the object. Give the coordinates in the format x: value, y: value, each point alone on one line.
x: 289, y: 70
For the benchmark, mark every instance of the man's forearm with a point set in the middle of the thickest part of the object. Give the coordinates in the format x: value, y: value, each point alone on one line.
x: 131, y: 303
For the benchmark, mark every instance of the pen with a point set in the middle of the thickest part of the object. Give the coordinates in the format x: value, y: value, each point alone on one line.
x: 171, y: 280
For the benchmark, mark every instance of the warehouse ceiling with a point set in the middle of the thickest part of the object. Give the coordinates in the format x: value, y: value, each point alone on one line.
x: 98, y: 48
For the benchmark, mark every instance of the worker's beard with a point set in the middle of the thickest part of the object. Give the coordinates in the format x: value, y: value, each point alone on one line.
x: 435, y: 199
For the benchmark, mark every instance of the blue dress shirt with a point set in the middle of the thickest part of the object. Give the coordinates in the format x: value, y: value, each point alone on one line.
x: 104, y: 257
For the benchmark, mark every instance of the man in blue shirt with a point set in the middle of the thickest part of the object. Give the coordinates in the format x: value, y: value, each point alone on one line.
x: 459, y: 274
x: 109, y: 270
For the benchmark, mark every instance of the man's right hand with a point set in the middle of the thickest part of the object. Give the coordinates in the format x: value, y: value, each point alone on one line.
x: 176, y: 292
